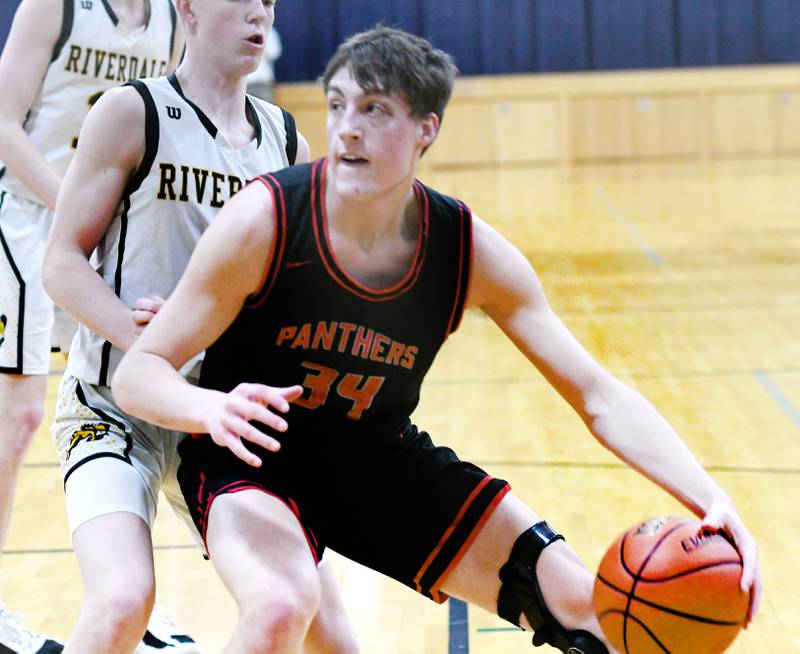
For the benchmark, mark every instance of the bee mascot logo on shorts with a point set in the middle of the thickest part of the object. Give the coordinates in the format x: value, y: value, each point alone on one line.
x: 3, y: 323
x: 88, y: 432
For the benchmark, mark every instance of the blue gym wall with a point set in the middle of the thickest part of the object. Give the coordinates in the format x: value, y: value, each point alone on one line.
x: 518, y: 36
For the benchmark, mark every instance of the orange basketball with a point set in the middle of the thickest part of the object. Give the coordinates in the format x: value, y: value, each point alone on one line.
x: 667, y: 586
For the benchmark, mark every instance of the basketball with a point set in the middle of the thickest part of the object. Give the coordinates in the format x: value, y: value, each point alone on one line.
x: 668, y: 586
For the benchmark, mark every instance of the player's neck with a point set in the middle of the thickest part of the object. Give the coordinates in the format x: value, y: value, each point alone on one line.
x: 131, y: 14
x: 221, y: 97
x: 381, y: 217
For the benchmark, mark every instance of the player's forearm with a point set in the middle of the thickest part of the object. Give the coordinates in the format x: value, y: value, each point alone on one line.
x: 628, y: 425
x: 74, y: 285
x: 27, y: 164
x: 147, y: 386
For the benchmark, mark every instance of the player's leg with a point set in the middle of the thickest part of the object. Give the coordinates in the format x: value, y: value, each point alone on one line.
x: 26, y: 316
x: 114, y: 552
x: 262, y: 554
x: 564, y: 583
x: 330, y: 631
x: 112, y: 479
x: 21, y: 406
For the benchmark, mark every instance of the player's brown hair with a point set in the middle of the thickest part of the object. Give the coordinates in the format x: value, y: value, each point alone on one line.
x: 387, y: 60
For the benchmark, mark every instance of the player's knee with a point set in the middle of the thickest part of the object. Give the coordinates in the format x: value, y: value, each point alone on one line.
x: 20, y: 423
x: 280, y: 616
x: 121, y: 613
x: 521, y: 596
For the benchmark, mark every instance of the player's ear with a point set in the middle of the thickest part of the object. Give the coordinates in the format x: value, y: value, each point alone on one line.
x: 428, y: 129
x: 185, y: 10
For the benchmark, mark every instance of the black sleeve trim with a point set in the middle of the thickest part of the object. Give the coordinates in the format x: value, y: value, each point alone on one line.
x: 291, y: 136
x: 150, y: 137
x: 174, y: 18
x: 67, y: 19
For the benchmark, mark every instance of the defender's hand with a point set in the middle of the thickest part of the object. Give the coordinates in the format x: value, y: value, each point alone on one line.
x: 144, y: 310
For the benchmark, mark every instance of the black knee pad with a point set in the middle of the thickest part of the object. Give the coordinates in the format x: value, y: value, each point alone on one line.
x: 520, y: 594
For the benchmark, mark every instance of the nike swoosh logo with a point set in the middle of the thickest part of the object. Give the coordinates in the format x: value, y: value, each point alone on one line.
x: 296, y: 264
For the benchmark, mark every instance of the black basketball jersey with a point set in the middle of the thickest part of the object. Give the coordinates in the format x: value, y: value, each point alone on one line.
x: 360, y: 353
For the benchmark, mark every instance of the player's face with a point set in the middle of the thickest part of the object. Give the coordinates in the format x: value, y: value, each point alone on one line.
x: 234, y: 31
x: 373, y: 141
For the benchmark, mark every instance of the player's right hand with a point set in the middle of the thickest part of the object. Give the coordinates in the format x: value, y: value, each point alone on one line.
x: 228, y: 421
x: 144, y: 310
x: 723, y: 515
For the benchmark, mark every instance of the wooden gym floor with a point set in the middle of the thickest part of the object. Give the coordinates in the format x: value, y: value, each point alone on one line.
x: 683, y: 279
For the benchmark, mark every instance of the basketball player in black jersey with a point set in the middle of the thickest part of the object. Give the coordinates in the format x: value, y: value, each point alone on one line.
x: 330, y: 287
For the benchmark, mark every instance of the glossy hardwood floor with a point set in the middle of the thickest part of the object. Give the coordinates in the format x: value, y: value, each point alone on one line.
x: 682, y: 279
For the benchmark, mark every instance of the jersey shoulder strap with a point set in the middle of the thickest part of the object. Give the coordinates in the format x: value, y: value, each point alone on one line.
x: 291, y: 136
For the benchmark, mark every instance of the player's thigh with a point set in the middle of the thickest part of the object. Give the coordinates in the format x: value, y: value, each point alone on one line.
x: 108, y: 461
x: 115, y: 555
x: 260, y: 548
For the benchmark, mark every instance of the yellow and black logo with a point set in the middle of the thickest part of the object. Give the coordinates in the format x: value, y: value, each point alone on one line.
x: 91, y: 431
x: 3, y: 323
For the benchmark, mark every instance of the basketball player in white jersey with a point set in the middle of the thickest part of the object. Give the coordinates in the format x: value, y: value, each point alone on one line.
x: 59, y: 57
x: 155, y: 162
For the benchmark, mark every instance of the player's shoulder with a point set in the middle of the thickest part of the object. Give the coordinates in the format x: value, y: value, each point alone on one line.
x: 45, y: 17
x: 121, y: 103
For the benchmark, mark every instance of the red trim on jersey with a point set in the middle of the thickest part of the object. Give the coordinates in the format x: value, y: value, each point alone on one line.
x: 278, y: 243
x: 437, y: 595
x: 235, y: 487
x: 338, y: 274
x: 449, y: 532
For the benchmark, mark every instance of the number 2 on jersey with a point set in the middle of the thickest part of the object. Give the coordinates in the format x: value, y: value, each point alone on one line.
x: 351, y: 386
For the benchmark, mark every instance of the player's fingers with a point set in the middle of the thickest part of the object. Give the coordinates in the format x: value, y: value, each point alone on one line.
x: 273, y: 397
x: 258, y: 437
x: 712, y: 521
x: 291, y: 393
x: 147, y: 304
x: 142, y: 317
x: 251, y: 409
x: 755, y: 602
x: 235, y: 445
x: 237, y: 425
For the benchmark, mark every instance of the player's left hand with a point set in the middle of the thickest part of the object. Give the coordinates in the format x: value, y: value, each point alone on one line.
x: 144, y: 310
x: 722, y: 515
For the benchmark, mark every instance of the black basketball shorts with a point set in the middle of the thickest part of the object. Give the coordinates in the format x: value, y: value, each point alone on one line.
x: 398, y: 504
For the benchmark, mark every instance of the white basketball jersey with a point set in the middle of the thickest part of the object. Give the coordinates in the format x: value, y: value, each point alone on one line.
x: 187, y: 173
x: 92, y: 55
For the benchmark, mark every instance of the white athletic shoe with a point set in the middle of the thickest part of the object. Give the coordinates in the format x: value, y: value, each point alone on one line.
x: 163, y: 635
x: 16, y: 639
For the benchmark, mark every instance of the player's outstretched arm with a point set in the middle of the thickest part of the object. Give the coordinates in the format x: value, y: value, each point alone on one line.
x: 110, y: 147
x: 227, y: 266
x: 506, y: 287
x: 23, y: 65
